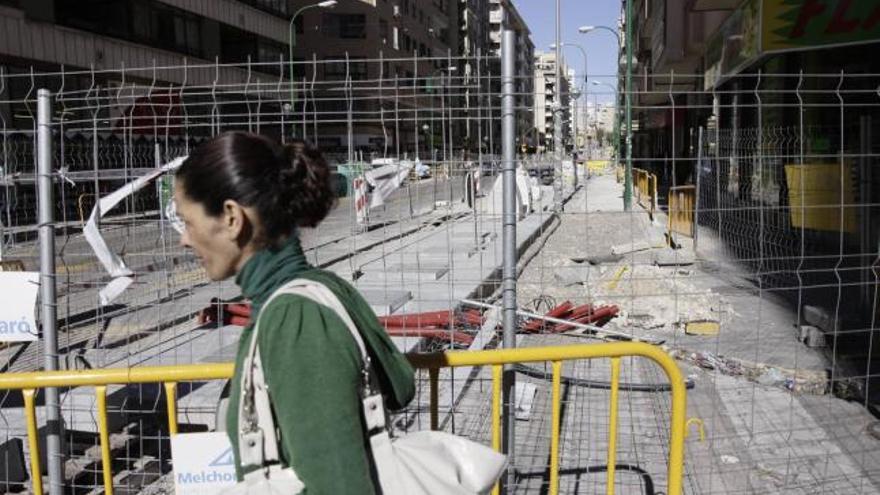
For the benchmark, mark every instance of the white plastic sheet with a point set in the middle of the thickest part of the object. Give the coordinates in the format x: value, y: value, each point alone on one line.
x: 386, y: 179
x: 114, y: 265
x: 18, y: 290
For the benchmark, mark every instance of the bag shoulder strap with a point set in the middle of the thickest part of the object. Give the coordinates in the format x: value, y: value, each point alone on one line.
x: 255, y: 411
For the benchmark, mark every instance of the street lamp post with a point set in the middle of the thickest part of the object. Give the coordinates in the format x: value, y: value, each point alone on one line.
x: 584, y: 86
x: 326, y: 4
x: 627, y: 184
x: 616, y: 116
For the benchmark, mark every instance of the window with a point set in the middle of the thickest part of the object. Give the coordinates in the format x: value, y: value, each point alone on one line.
x: 269, y: 51
x: 346, y: 26
x: 236, y: 45
x: 106, y: 17
x: 277, y: 7
x: 383, y: 30
x: 336, y: 69
x: 176, y: 30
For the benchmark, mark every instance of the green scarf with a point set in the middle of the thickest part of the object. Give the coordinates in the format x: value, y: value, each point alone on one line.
x: 269, y: 269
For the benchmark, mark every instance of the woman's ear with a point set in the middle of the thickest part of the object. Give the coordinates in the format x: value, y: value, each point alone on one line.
x: 235, y: 221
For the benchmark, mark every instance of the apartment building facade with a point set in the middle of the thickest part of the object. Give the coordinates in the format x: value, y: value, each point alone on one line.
x: 550, y: 99
x: 503, y: 14
x: 402, y: 43
x: 97, y: 45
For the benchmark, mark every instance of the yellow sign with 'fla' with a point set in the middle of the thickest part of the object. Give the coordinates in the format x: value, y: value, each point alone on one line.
x: 820, y: 197
x: 800, y: 24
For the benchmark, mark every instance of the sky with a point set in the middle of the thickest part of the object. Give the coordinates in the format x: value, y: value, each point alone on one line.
x: 600, y: 45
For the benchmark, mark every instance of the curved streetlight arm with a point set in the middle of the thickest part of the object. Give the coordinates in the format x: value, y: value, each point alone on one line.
x: 327, y: 4
x: 583, y: 52
x: 587, y: 29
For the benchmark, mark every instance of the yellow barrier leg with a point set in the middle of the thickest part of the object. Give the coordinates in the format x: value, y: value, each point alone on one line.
x: 554, y: 425
x: 496, y: 415
x: 104, y: 433
x: 171, y: 404
x: 612, y: 428
x: 433, y: 376
x: 33, y: 443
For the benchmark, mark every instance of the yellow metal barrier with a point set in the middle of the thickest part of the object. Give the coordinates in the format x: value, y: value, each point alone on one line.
x: 11, y: 266
x: 645, y: 189
x: 28, y: 383
x: 682, y: 200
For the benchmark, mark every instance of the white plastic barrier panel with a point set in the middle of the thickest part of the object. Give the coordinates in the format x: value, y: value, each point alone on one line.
x: 359, y: 185
x: 203, y: 463
x: 385, y: 180
x: 18, y: 291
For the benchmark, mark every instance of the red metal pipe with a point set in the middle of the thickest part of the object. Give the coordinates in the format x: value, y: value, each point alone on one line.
x: 433, y: 333
x: 418, y: 320
x: 238, y: 309
x: 558, y: 312
x: 432, y: 319
x: 601, y: 313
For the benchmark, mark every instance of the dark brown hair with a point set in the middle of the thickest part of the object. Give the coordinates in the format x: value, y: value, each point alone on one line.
x: 289, y: 186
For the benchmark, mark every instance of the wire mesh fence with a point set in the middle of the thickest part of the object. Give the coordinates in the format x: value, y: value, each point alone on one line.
x: 782, y: 238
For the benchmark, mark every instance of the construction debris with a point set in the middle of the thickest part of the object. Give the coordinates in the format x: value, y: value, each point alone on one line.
x: 811, y: 382
x: 663, y: 299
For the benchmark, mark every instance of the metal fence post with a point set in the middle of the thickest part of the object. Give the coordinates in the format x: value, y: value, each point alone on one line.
x: 699, y: 171
x: 558, y: 187
x: 627, y: 178
x: 509, y: 215
x: 48, y: 301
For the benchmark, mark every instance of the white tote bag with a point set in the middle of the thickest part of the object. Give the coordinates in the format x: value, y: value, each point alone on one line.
x: 420, y: 463
x: 257, y: 435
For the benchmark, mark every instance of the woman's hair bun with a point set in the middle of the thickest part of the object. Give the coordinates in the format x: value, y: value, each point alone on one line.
x: 306, y: 183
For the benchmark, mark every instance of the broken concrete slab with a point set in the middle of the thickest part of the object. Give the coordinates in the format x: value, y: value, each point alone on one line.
x: 634, y: 247
x: 433, y: 271
x: 599, y: 259
x: 386, y: 302
x: 819, y: 317
x: 811, y: 336
x: 572, y: 275
x: 674, y: 257
x: 702, y: 327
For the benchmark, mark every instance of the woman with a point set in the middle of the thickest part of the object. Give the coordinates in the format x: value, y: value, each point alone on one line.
x: 241, y: 198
